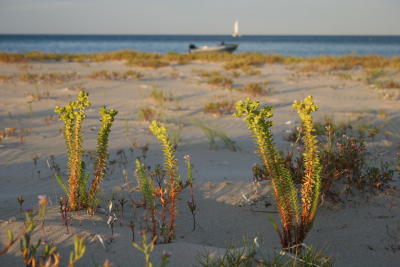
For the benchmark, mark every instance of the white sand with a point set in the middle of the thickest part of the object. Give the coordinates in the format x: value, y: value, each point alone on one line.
x: 353, y: 233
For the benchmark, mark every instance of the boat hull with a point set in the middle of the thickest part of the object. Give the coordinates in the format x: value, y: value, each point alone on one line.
x: 215, y: 49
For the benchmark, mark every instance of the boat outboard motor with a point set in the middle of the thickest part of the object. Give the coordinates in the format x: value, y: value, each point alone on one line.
x: 192, y: 46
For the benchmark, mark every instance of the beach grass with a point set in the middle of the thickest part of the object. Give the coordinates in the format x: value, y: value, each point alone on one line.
x: 232, y: 61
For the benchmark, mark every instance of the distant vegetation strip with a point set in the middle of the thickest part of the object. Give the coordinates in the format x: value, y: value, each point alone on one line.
x: 146, y: 59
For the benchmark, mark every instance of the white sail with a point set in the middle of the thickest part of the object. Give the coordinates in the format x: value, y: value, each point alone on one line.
x: 236, y: 29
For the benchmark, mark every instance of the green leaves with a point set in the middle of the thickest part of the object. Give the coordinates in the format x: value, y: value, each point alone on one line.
x: 79, y: 251
x: 146, y: 248
x: 189, y: 180
x: 106, y: 119
x: 145, y: 185
x: 294, y: 228
x: 310, y: 190
x: 10, y: 235
x: 73, y: 115
x: 174, y: 183
x: 160, y: 132
x: 62, y: 184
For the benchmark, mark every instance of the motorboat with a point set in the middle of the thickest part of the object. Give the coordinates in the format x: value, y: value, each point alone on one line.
x: 213, y: 49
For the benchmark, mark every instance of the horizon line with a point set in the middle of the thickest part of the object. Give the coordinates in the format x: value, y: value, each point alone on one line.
x: 201, y: 34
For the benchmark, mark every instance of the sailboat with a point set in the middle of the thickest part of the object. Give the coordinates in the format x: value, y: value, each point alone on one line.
x: 236, y: 29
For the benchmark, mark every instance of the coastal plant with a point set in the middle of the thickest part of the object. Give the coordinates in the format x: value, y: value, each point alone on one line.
x: 132, y: 74
x: 159, y: 96
x: 147, y: 114
x: 148, y: 60
x: 5, y: 78
x: 213, y: 134
x: 161, y: 187
x: 37, y: 95
x: 174, y: 183
x: 191, y: 203
x: 253, y: 89
x: 106, y: 118
x: 309, y: 257
x: 21, y: 201
x: 73, y: 115
x: 43, y: 202
x: 64, y: 212
x: 41, y: 253
x: 250, y: 255
x: 214, y: 78
x: 377, y: 78
x: 106, y: 75
x: 50, y: 78
x: 101, y: 74
x: 220, y: 108
x: 29, y: 250
x: 390, y: 84
x: 250, y: 71
x: 243, y: 63
x: 122, y: 203
x: 235, y: 74
x: 49, y: 256
x: 79, y: 251
x: 220, y: 80
x: 132, y: 227
x: 372, y: 76
x: 145, y: 185
x: 206, y: 74
x: 235, y: 61
x: 296, y: 215
x: 112, y: 217
x: 344, y: 76
x: 234, y: 257
x: 146, y: 248
x: 175, y: 135
x: 397, y: 159
x: 344, y: 159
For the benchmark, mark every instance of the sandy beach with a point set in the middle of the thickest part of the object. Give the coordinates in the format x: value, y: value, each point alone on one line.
x: 361, y: 230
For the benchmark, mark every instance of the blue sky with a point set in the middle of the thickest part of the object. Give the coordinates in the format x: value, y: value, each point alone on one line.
x: 200, y: 17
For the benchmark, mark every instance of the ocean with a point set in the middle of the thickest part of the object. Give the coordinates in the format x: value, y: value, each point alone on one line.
x: 287, y: 45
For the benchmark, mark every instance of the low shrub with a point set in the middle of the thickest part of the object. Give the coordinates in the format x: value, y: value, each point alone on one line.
x: 147, y: 114
x: 253, y: 89
x: 161, y: 187
x: 220, y: 81
x: 160, y: 97
x: 106, y: 75
x: 52, y: 78
x: 220, y: 108
x: 214, y: 78
x: 154, y: 63
x: 344, y: 159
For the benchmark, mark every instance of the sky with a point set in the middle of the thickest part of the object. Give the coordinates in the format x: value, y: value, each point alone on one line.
x: 327, y: 17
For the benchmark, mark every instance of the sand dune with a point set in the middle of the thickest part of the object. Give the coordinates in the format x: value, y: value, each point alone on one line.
x: 353, y: 233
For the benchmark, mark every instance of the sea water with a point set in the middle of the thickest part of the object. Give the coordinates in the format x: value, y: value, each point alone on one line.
x: 287, y: 45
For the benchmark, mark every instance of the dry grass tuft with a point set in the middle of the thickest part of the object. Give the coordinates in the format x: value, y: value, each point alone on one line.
x: 254, y: 89
x: 106, y: 75
x: 147, y: 114
x: 220, y: 108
